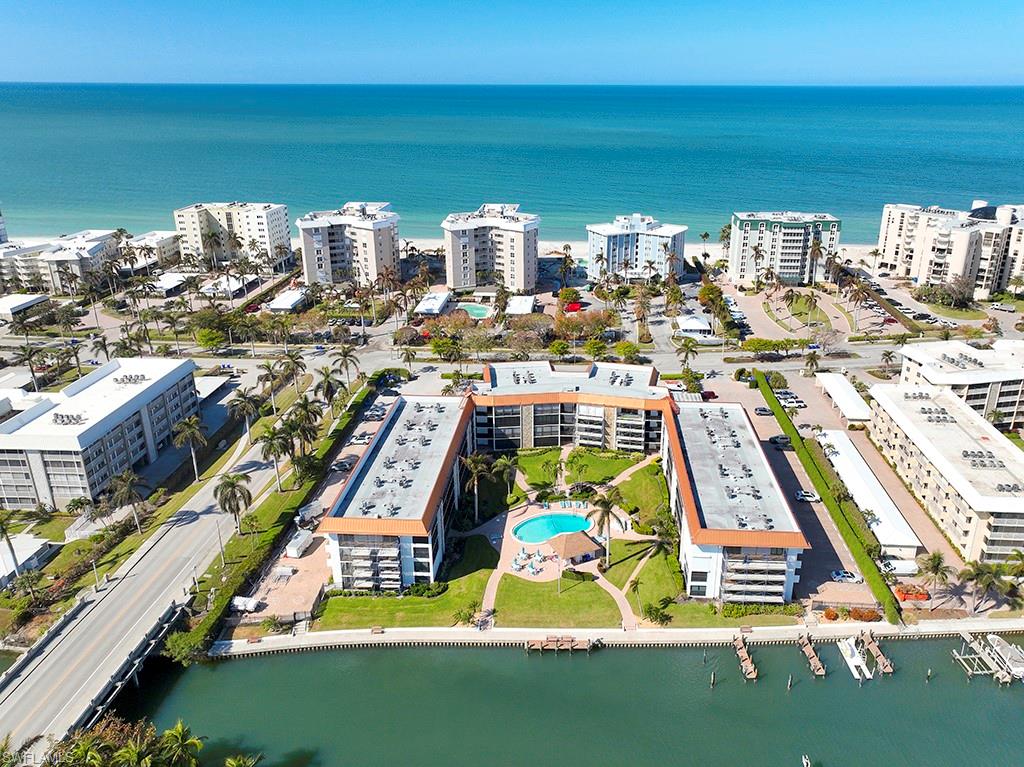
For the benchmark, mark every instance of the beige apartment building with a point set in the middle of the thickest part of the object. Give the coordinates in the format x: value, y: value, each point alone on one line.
x: 968, y: 476
x: 990, y: 381
x: 207, y: 229
x: 933, y: 245
x: 495, y: 243
x: 357, y: 242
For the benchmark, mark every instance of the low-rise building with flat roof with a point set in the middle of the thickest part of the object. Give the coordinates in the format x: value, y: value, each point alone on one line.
x: 520, y: 305
x: 434, y: 304
x: 30, y: 553
x: 968, y: 476
x: 17, y: 305
x: 386, y: 531
x: 991, y: 381
x: 69, y: 444
x: 739, y: 540
x: 288, y: 301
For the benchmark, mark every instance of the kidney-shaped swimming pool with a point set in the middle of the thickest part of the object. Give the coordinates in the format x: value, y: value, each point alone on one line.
x: 542, y: 528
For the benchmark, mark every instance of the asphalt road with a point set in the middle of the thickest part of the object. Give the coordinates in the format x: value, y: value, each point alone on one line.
x: 49, y: 695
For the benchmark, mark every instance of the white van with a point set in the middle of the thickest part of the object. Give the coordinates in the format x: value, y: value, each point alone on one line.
x: 903, y: 568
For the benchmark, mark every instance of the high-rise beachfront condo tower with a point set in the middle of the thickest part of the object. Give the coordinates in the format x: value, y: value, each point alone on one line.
x: 783, y: 242
x: 934, y: 245
x: 635, y: 248
x: 493, y: 244
x: 225, y: 231
x: 355, y: 243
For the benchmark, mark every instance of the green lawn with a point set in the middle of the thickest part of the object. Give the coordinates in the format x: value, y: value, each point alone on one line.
x: 582, y: 604
x: 495, y: 498
x: 53, y: 529
x: 795, y: 317
x: 1015, y: 438
x: 956, y: 314
x: 597, y: 466
x: 466, y: 584
x: 626, y: 555
x: 531, y: 463
x: 647, y: 491
x: 660, y: 579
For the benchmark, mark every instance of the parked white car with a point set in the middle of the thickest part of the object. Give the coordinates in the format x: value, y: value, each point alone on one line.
x: 807, y: 496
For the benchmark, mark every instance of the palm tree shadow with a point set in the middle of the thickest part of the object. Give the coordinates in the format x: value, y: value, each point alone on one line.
x: 216, y: 751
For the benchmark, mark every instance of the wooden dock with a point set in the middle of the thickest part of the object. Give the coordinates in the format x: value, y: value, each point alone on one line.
x: 882, y: 663
x: 977, y: 660
x: 559, y: 643
x: 746, y: 662
x: 817, y: 667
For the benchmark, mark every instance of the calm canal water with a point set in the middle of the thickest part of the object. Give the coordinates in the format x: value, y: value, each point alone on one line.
x: 616, y: 707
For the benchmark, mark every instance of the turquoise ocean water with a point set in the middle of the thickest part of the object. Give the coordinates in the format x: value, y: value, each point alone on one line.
x: 74, y: 156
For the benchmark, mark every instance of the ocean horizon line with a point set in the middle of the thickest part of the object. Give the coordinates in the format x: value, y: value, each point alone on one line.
x: 652, y: 86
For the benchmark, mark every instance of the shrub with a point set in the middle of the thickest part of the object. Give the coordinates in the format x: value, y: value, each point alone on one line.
x: 831, y: 614
x: 743, y: 609
x: 429, y: 590
x: 642, y: 529
x: 776, y: 380
x: 859, y: 614
x: 578, y: 575
x: 739, y: 373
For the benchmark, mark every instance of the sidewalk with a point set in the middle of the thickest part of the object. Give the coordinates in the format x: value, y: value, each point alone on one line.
x: 612, y: 636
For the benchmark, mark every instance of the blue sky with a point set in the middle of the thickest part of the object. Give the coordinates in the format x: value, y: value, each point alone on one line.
x: 531, y: 41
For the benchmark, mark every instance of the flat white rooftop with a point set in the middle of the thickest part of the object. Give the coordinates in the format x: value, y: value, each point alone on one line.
x: 16, y: 302
x: 350, y: 214
x: 433, y: 303
x: 287, y: 300
x: 845, y: 396
x: 889, y: 527
x: 492, y: 214
x: 226, y: 282
x: 601, y: 378
x: 87, y: 409
x: 168, y: 281
x: 636, y: 224
x: 521, y: 305
x: 950, y: 363
x: 967, y: 451
x: 734, y: 486
x: 26, y: 546
x: 406, y: 457
x: 786, y: 216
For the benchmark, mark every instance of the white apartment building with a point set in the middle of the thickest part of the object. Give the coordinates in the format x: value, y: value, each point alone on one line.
x: 990, y: 381
x: 495, y: 243
x: 152, y: 249
x: 933, y: 245
x: 207, y: 228
x: 357, y: 242
x: 633, y: 247
x: 783, y: 240
x: 69, y: 444
x: 968, y: 476
x: 3, y: 229
x: 57, y: 266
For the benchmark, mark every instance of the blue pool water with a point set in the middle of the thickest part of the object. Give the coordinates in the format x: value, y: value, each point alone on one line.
x: 540, y: 529
x: 476, y: 311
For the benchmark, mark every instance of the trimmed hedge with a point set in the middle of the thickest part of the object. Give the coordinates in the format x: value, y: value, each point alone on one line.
x: 463, y: 376
x: 188, y: 646
x: 872, y: 576
x: 743, y: 609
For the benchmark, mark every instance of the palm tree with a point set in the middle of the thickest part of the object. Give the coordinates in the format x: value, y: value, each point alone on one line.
x: 602, y: 516
x: 327, y: 385
x: 934, y: 571
x: 811, y: 361
x: 346, y: 359
x: 6, y: 515
x: 275, y: 444
x: 888, y: 357
x: 790, y: 298
x: 243, y: 760
x: 506, y: 468
x: 29, y: 355
x: 477, y: 466
x: 687, y: 350
x: 567, y: 265
x: 984, y: 579
x: 634, y: 589
x: 99, y: 344
x: 813, y: 256
x: 22, y: 326
x: 409, y: 357
x: 292, y: 366
x: 124, y: 491
x: 190, y: 431
x: 269, y: 372
x: 857, y: 294
x: 811, y: 305
x: 140, y: 751
x: 180, y: 747
x: 245, y: 404
x: 233, y: 496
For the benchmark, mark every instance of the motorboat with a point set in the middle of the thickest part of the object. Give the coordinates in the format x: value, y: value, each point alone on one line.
x: 1011, y: 655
